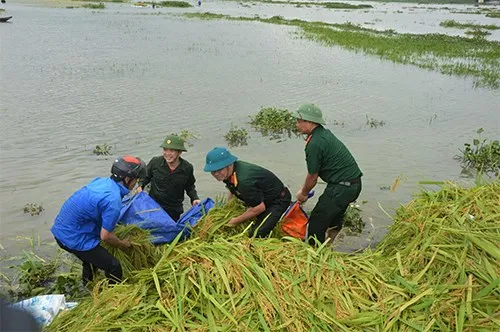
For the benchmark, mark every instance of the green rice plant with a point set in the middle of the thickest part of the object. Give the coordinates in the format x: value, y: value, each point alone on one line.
x: 437, y: 268
x: 482, y: 155
x: 33, y: 209
x: 214, y: 223
x: 236, y: 136
x: 477, y: 33
x: 373, y: 123
x: 102, y: 150
x: 177, y: 4
x: 142, y: 254
x: 451, y: 55
x: 455, y: 24
x: 275, y: 123
x: 94, y: 5
x: 495, y: 14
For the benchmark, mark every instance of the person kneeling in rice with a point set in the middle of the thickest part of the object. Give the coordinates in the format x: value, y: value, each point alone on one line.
x: 90, y: 216
x: 265, y: 196
x: 170, y: 175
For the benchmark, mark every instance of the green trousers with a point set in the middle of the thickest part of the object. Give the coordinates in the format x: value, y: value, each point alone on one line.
x: 330, y: 209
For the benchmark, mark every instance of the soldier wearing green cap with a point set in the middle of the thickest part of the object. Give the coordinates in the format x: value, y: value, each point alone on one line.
x: 265, y: 196
x: 329, y: 159
x: 170, y: 175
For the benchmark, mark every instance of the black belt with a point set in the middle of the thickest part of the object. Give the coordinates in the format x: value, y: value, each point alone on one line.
x: 349, y: 183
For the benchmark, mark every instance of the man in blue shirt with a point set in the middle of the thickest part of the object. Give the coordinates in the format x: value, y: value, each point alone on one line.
x: 90, y: 215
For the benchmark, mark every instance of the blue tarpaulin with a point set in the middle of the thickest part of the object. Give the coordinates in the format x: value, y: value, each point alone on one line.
x: 144, y: 212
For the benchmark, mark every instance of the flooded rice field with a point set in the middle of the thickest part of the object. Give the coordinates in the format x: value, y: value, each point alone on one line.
x: 74, y: 78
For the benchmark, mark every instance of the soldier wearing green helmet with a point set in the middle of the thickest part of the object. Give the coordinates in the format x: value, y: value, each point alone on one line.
x: 329, y: 159
x: 170, y: 176
x: 265, y: 196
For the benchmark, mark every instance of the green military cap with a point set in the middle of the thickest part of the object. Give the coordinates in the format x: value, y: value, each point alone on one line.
x: 173, y: 142
x: 311, y: 113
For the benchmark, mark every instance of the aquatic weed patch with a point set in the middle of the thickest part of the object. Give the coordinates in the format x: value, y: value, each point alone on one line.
x: 482, y: 155
x: 455, y: 24
x: 495, y: 14
x: 94, y: 5
x: 236, y: 136
x: 173, y: 4
x: 451, y: 55
x: 275, y: 123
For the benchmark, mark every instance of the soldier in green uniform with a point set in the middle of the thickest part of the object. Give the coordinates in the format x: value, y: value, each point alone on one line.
x: 170, y: 175
x: 328, y: 158
x: 265, y: 196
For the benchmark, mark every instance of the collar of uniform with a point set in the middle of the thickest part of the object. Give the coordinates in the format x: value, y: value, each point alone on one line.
x: 312, y: 132
x: 233, y: 179
x: 165, y: 164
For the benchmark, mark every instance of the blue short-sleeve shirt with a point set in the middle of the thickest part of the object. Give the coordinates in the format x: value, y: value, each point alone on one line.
x: 95, y: 206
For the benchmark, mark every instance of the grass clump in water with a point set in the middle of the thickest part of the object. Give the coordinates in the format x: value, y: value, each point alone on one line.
x: 455, y: 24
x: 94, y: 5
x: 102, y: 150
x: 451, y: 55
x: 495, y: 14
x: 187, y: 136
x: 236, y: 136
x: 275, y: 123
x: 33, y: 209
x: 482, y: 155
x: 477, y: 33
x: 176, y: 4
x: 374, y: 123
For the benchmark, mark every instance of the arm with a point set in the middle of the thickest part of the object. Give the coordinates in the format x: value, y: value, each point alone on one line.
x: 309, y: 183
x: 250, y: 213
x: 111, y: 239
x: 110, y: 212
x: 149, y: 175
x: 191, y: 189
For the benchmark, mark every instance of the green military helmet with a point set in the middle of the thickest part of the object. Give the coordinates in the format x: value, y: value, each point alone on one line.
x: 311, y: 113
x: 173, y: 142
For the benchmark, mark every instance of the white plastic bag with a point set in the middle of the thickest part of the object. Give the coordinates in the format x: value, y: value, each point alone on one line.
x: 44, y: 307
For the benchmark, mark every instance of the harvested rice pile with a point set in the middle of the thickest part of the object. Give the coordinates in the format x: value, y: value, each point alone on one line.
x: 436, y: 270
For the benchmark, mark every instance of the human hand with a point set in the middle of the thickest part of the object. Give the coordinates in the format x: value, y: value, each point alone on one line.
x: 126, y: 244
x: 301, y: 198
x: 196, y: 202
x: 233, y: 222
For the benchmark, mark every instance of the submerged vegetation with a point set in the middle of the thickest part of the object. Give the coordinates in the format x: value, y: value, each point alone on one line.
x: 455, y: 24
x: 102, y: 150
x: 437, y: 269
x: 33, y: 209
x: 495, y: 14
x: 236, y: 136
x: 94, y: 5
x: 477, y: 33
x: 275, y: 122
x: 373, y: 123
x: 482, y: 155
x: 451, y: 55
x: 176, y: 4
x: 187, y: 136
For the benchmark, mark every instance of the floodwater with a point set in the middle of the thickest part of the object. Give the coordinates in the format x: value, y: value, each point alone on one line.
x: 125, y: 76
